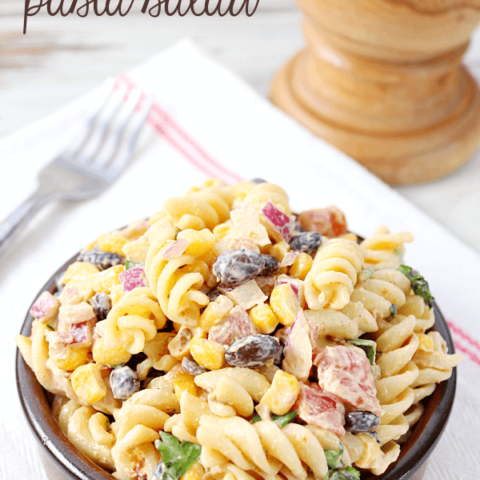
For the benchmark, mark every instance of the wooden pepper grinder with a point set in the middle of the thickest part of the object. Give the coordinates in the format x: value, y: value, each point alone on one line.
x: 382, y: 80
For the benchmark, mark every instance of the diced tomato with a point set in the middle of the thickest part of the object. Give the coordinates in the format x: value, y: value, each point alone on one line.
x: 317, y: 407
x: 345, y: 372
x: 329, y: 221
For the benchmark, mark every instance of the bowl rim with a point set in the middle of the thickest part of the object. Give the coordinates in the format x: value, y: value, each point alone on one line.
x: 76, y: 466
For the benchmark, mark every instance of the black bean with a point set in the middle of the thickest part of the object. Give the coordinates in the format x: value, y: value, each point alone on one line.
x: 271, y: 265
x: 101, y: 260
x: 253, y: 351
x: 124, y: 382
x: 192, y: 367
x: 258, y: 180
x: 307, y: 242
x: 361, y: 421
x: 159, y: 473
x: 238, y: 266
x: 279, y: 358
x: 102, y: 304
x: 213, y: 294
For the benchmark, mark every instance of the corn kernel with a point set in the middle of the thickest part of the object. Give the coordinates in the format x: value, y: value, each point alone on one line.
x: 282, y: 394
x: 80, y: 269
x: 137, y: 250
x: 183, y: 381
x: 264, y: 318
x: 221, y: 231
x: 426, y: 343
x: 111, y: 242
x: 279, y: 250
x: 75, y: 358
x: 301, y: 266
x: 88, y: 384
x: 284, y: 304
x: 196, y: 472
x: 200, y: 241
x: 215, y: 312
x: 104, y: 281
x: 109, y: 356
x: 206, y: 353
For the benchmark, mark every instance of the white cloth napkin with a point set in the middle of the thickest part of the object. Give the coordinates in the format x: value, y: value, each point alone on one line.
x: 207, y: 122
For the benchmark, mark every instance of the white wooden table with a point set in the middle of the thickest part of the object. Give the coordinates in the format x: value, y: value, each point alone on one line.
x: 62, y: 58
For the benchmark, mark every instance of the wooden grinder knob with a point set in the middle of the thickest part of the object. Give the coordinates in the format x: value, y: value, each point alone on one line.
x: 382, y: 80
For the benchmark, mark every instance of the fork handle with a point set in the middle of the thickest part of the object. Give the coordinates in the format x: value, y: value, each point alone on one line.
x: 10, y: 227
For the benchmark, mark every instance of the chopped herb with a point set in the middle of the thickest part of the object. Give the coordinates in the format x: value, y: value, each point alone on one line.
x: 129, y: 264
x: 280, y: 420
x: 393, y: 311
x: 419, y: 284
x: 366, y: 274
x: 50, y: 327
x: 337, y: 469
x: 334, y: 458
x: 399, y: 253
x: 119, y: 365
x: 177, y: 456
x: 368, y: 346
x: 348, y: 473
x: 107, y: 426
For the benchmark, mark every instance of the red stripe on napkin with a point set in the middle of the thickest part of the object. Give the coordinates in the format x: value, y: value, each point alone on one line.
x: 468, y: 353
x: 164, y: 125
x: 463, y: 335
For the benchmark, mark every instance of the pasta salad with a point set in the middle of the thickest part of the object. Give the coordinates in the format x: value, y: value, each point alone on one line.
x: 227, y: 338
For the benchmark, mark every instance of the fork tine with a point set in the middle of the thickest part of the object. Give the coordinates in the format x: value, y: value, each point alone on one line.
x: 125, y: 152
x: 82, y: 133
x: 101, y: 128
x: 114, y: 139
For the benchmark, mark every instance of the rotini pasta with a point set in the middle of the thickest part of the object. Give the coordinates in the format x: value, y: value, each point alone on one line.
x: 219, y: 340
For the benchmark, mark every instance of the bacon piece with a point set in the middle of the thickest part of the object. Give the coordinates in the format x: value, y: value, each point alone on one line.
x: 79, y: 313
x: 58, y: 343
x: 298, y: 349
x: 329, y: 221
x: 82, y: 333
x: 236, y: 325
x: 345, y: 372
x: 45, y: 308
x: 132, y: 278
x: 316, y: 407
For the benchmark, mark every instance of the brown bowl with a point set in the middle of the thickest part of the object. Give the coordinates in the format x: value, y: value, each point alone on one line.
x: 76, y: 466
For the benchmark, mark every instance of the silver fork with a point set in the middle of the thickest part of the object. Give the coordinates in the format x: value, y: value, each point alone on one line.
x: 104, y: 146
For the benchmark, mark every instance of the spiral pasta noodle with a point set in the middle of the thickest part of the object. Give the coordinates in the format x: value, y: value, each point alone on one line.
x: 385, y: 249
x: 133, y: 321
x: 219, y: 340
x: 333, y: 276
x: 264, y: 446
x: 137, y: 424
